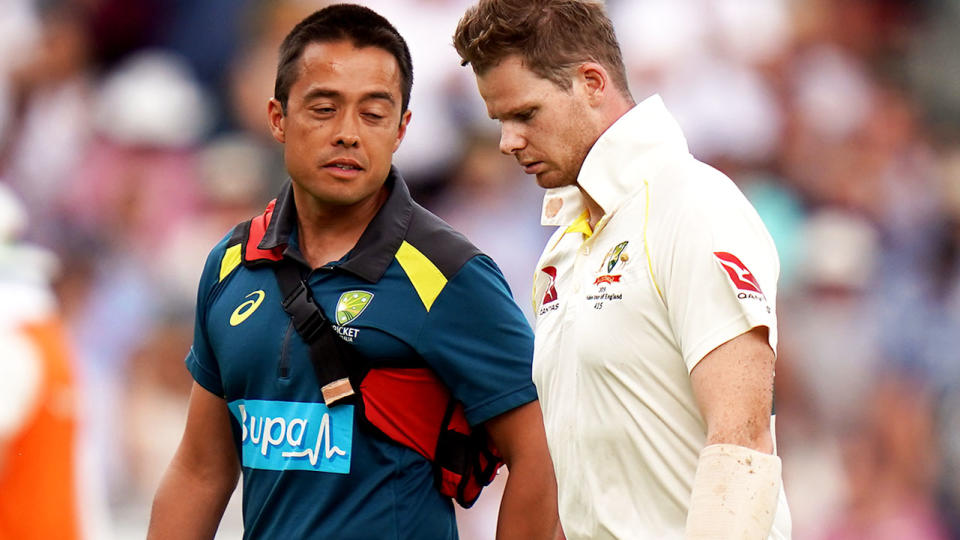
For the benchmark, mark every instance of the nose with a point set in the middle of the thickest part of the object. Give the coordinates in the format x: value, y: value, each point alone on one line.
x: 348, y: 141
x: 510, y: 140
x: 347, y: 133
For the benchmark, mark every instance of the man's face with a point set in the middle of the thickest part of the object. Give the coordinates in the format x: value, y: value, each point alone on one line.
x: 342, y: 123
x: 544, y: 126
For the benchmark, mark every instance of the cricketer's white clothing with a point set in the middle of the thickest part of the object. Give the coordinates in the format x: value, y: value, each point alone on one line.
x: 679, y: 264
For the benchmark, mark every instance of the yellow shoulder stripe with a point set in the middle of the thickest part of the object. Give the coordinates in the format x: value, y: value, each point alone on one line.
x: 230, y: 260
x: 646, y: 244
x: 423, y: 274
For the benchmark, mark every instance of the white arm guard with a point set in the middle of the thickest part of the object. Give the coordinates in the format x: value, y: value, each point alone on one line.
x: 734, y: 495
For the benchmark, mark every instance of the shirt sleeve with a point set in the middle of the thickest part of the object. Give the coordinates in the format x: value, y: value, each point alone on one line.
x: 480, y: 344
x: 201, y: 360
x: 716, y: 264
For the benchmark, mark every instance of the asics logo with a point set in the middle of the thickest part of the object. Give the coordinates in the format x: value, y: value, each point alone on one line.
x: 247, y: 308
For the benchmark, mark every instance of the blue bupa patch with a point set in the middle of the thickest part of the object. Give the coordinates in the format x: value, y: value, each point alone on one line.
x: 283, y: 435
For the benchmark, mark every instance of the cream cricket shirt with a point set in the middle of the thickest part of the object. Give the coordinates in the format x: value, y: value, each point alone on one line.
x: 679, y: 264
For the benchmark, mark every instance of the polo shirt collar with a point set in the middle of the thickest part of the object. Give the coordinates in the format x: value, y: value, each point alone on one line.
x: 634, y: 148
x: 378, y: 244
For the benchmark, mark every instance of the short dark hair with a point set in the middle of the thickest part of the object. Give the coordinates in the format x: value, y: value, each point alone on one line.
x: 357, y: 24
x: 550, y: 36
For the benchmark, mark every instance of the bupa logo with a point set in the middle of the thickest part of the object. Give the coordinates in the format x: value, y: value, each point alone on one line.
x: 284, y: 435
x: 739, y: 274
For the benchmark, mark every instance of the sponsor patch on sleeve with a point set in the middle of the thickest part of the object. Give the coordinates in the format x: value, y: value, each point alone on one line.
x: 740, y: 275
x: 744, y: 282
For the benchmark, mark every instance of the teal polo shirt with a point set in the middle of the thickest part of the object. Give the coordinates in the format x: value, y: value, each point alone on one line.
x: 411, y: 292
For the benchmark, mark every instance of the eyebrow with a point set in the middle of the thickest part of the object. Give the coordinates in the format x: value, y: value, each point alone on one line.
x: 334, y: 94
x: 514, y: 112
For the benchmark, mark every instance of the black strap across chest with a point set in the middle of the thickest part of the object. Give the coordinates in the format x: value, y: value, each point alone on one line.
x: 333, y: 360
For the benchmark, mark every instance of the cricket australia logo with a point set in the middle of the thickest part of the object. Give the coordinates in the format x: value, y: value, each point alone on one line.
x: 615, y: 255
x: 351, y: 305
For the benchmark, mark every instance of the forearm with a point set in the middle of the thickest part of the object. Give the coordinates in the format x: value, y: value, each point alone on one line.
x: 528, y: 509
x: 189, y: 505
x: 735, y: 493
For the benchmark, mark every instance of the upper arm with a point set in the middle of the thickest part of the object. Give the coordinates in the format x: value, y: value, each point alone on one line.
x: 714, y: 261
x: 733, y: 387
x: 207, y: 447
x: 479, y: 343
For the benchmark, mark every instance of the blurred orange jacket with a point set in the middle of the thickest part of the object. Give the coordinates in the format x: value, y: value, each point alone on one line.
x: 37, y: 471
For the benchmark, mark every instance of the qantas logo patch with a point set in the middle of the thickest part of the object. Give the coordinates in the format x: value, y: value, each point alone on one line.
x: 739, y: 274
x: 551, y: 294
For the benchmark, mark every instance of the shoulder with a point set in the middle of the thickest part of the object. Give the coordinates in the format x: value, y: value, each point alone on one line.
x: 692, y: 191
x: 223, y: 259
x: 437, y: 242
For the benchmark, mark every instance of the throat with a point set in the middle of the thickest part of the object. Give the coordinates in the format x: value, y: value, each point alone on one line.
x: 328, y: 233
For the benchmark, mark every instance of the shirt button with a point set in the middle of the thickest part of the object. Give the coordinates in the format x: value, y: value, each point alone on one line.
x: 586, y: 250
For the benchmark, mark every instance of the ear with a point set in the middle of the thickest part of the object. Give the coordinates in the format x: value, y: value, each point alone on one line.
x: 594, y: 80
x: 277, y: 120
x: 402, y: 130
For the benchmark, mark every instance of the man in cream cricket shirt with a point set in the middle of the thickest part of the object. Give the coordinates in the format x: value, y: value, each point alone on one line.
x: 655, y: 299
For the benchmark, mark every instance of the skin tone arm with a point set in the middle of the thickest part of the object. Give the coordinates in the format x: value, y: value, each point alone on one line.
x: 733, y: 385
x: 529, y: 506
x: 203, y: 474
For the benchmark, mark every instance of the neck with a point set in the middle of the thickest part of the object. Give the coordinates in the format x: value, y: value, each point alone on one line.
x: 328, y: 231
x: 609, y: 114
x: 616, y: 107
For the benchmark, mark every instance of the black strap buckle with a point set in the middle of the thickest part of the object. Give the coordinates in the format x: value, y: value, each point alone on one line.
x: 307, y: 317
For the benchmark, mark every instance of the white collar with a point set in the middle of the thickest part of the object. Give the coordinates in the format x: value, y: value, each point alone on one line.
x: 632, y: 149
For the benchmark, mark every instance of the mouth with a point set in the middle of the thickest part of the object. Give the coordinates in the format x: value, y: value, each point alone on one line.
x: 343, y: 166
x: 532, y: 167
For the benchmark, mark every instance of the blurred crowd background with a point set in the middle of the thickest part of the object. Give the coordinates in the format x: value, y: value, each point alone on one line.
x: 133, y: 133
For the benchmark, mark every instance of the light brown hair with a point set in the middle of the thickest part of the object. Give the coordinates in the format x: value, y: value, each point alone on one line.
x: 550, y: 36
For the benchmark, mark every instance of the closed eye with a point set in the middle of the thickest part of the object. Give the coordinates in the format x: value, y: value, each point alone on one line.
x: 525, y: 115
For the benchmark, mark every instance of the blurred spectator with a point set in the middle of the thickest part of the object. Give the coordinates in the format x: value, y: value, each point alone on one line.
x: 890, y: 490
x: 52, y: 93
x: 39, y: 494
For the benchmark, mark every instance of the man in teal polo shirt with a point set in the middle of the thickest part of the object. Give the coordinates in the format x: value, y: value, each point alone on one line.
x: 397, y: 283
